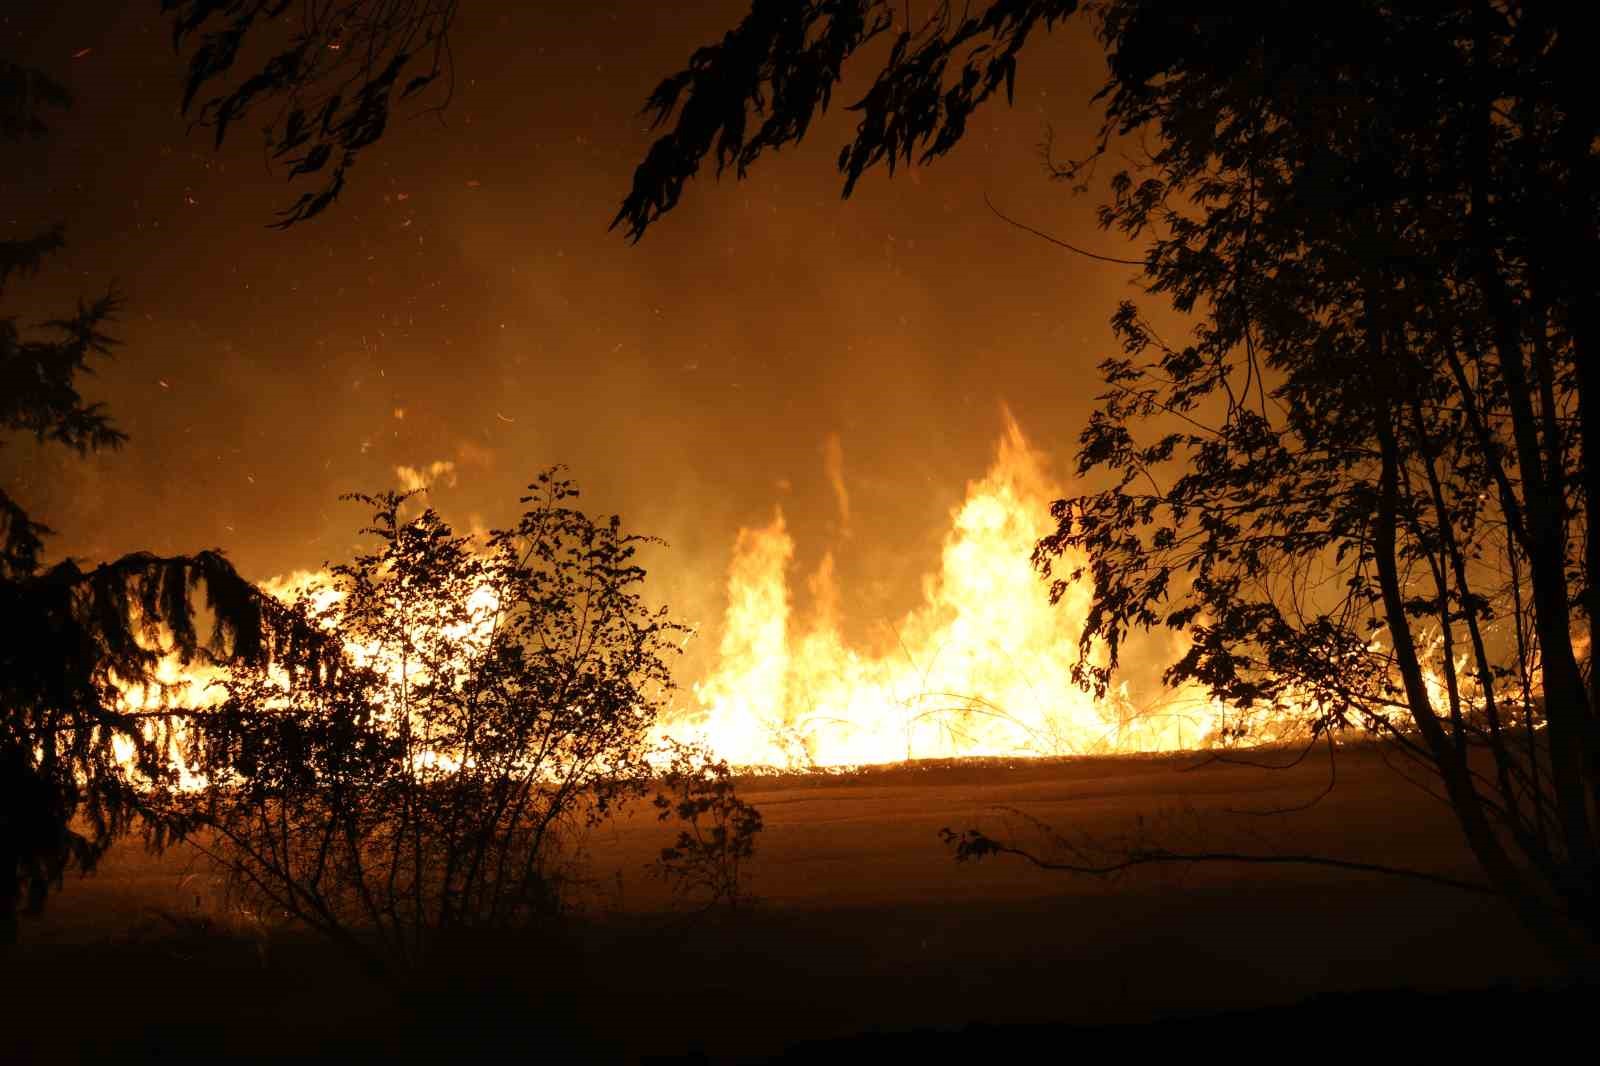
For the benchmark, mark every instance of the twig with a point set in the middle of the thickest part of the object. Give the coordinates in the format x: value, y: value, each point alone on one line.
x: 1057, y: 240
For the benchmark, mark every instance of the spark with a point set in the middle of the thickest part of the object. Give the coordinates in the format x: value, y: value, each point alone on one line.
x: 503, y: 418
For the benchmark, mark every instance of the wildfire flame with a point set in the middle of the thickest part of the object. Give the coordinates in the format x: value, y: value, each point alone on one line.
x: 983, y: 667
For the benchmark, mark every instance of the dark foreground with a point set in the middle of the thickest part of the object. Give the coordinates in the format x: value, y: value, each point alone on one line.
x: 869, y: 941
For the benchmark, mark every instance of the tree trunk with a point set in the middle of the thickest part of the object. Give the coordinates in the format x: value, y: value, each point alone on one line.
x: 1537, y: 915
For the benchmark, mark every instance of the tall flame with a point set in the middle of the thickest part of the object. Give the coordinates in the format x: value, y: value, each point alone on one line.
x: 982, y: 667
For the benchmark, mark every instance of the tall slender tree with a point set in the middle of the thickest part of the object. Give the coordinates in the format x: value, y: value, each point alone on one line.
x: 1368, y: 487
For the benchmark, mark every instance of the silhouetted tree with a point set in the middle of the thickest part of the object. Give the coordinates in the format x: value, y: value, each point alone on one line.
x: 1381, y: 450
x: 75, y: 755
x: 323, y: 73
x: 413, y: 783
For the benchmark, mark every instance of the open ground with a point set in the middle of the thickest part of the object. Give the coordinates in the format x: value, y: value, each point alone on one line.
x: 865, y: 924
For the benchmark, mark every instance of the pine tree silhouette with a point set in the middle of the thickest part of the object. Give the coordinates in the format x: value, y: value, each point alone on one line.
x: 68, y: 632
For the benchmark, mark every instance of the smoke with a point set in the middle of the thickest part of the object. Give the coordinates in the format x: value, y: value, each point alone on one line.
x: 833, y: 465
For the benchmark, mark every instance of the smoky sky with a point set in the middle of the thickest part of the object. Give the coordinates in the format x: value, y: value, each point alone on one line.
x: 463, y: 303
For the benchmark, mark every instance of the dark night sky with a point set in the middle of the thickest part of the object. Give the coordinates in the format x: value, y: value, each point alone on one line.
x: 466, y: 277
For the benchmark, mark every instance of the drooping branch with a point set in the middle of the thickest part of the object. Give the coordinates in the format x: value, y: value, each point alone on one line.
x: 762, y: 85
x: 336, y: 70
x: 972, y: 845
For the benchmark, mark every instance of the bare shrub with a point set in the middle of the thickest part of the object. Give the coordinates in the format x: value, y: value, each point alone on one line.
x: 418, y: 780
x: 717, y: 830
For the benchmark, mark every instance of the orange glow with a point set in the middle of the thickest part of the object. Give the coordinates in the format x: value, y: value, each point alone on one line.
x: 194, y: 686
x: 175, y: 686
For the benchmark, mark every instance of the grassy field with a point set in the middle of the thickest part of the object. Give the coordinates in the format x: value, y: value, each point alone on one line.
x: 865, y: 925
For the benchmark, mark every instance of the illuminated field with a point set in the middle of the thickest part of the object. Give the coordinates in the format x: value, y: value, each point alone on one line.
x: 867, y: 923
